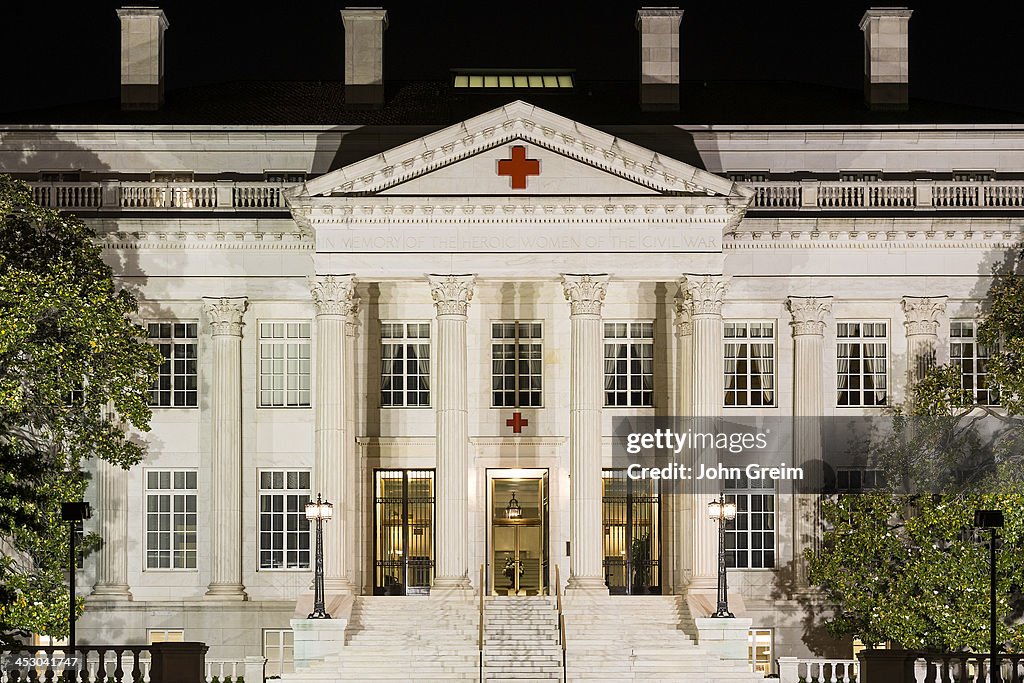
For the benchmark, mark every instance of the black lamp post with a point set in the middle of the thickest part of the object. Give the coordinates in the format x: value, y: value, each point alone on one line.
x: 73, y: 513
x: 991, y: 520
x: 319, y: 511
x: 722, y: 511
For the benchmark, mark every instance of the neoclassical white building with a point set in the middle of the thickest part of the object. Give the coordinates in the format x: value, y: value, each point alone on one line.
x: 431, y: 316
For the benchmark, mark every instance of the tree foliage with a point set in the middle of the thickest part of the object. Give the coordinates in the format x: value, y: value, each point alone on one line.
x: 905, y: 565
x: 74, y: 377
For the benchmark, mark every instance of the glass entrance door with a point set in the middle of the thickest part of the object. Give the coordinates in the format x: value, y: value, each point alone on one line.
x: 632, y: 533
x: 403, y: 520
x: 518, y: 543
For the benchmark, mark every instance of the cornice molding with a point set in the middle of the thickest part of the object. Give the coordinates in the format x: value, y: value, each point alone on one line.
x: 179, y: 239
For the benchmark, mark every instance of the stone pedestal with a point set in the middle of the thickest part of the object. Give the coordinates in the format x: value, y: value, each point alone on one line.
x: 726, y: 638
x: 315, y: 639
x: 452, y: 294
x: 334, y: 300
x: 225, y: 319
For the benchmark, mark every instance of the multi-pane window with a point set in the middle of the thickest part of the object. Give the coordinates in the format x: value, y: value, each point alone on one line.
x: 750, y: 538
x: 862, y: 359
x: 759, y: 650
x: 284, y: 364
x: 279, y: 651
x: 629, y: 364
x: 405, y: 365
x: 171, y: 519
x: 859, y: 479
x: 284, y: 529
x: 749, y: 364
x: 176, y: 385
x: 516, y: 364
x: 971, y: 356
x: 165, y: 635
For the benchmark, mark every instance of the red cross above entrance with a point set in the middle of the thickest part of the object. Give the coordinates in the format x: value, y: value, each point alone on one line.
x: 518, y: 167
x: 517, y: 422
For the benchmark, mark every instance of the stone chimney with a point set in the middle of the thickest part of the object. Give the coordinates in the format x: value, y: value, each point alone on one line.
x: 886, y: 57
x: 659, y: 57
x: 142, y: 57
x: 364, y: 55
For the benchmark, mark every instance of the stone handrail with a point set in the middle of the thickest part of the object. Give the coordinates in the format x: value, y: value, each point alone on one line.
x: 818, y: 670
x: 119, y: 195
x: 834, y: 195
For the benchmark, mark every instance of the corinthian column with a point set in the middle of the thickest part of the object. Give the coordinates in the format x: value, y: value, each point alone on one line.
x: 922, y: 323
x: 111, y: 499
x: 706, y: 293
x: 225, y: 318
x: 585, y: 294
x: 334, y: 300
x: 451, y: 294
x: 809, y: 314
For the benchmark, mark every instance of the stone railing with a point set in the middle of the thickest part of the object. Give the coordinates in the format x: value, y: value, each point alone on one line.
x: 818, y: 670
x: 117, y: 195
x: 155, y: 663
x: 900, y: 666
x: 829, y: 195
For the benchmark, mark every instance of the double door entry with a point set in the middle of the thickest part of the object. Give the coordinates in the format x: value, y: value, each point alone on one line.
x: 518, y: 542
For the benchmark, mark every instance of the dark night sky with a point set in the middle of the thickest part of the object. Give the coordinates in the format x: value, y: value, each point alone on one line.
x: 969, y: 54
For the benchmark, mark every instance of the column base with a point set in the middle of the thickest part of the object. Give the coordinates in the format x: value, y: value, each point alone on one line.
x: 111, y: 592
x: 341, y: 586
x: 226, y: 591
x: 586, y: 585
x: 455, y: 586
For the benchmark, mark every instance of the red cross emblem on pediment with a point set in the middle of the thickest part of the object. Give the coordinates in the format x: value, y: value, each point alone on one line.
x: 518, y: 167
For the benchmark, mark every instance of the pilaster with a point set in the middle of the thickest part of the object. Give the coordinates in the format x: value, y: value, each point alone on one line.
x: 224, y: 316
x: 923, y: 315
x: 808, y: 325
x: 111, y: 502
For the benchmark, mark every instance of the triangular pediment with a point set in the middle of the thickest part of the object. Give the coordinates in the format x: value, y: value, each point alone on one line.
x: 519, y: 149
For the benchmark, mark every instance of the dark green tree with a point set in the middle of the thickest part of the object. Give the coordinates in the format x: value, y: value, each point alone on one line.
x: 904, y: 565
x: 74, y: 379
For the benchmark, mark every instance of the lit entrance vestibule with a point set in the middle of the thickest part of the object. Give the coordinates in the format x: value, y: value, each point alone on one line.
x: 517, y: 544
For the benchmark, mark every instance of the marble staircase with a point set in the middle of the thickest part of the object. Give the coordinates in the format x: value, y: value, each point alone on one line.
x: 435, y: 639
x: 641, y: 638
x: 404, y: 639
x: 521, y: 640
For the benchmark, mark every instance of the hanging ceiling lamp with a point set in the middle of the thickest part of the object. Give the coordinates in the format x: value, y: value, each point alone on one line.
x: 513, y: 510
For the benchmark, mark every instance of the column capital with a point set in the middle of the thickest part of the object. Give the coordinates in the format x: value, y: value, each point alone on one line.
x: 585, y: 293
x: 684, y: 314
x: 332, y: 294
x: 451, y: 293
x: 225, y: 314
x: 706, y: 293
x: 809, y: 313
x: 923, y: 314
